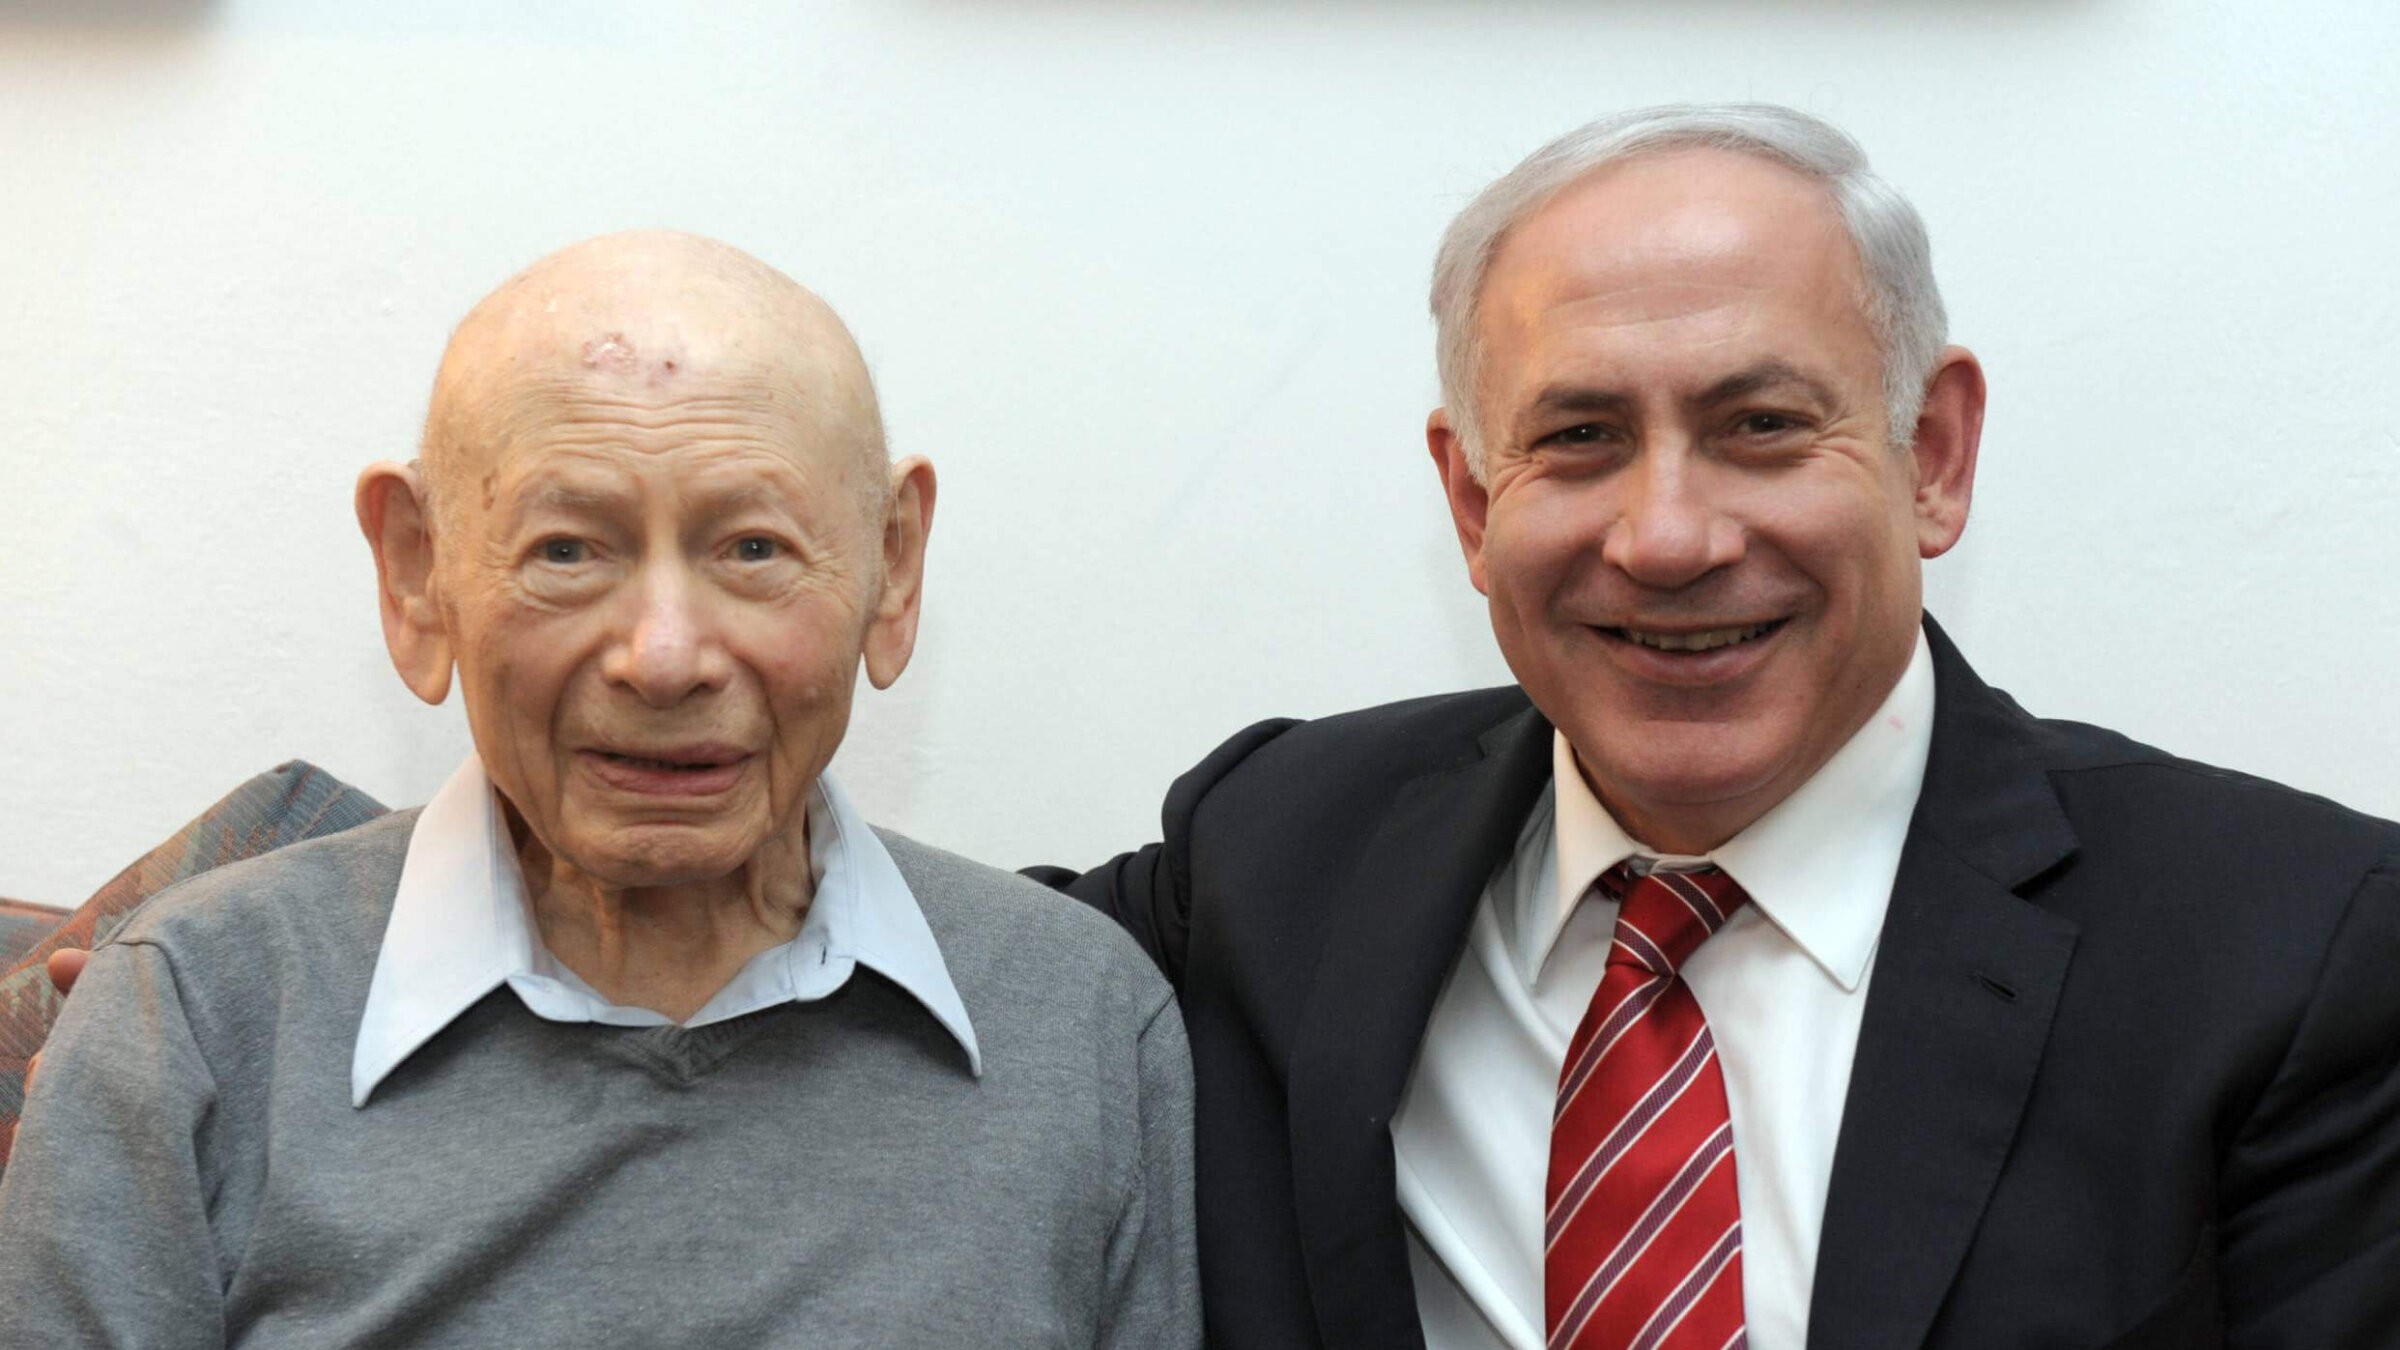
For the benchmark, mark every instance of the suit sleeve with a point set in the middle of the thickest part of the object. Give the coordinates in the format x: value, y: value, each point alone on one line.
x: 2310, y: 1239
x: 1149, y: 891
x: 104, y: 1233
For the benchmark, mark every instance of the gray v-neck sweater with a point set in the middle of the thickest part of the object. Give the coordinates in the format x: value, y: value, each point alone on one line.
x: 190, y: 1171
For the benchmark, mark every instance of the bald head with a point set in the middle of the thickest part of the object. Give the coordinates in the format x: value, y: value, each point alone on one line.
x: 635, y: 539
x: 649, y: 317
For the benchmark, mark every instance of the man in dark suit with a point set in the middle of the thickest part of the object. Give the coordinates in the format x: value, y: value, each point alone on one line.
x: 1751, y: 974
x: 2022, y: 1034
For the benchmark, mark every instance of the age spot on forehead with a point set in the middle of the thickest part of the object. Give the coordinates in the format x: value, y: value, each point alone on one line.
x: 609, y: 351
x: 614, y: 354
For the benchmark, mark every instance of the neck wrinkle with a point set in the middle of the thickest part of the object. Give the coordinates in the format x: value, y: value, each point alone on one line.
x: 666, y: 948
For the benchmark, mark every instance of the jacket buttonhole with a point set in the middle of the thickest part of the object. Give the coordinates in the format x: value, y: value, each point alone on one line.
x: 2004, y: 992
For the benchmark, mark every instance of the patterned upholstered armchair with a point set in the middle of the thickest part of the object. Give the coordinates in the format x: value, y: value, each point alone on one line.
x: 286, y: 804
x: 21, y: 926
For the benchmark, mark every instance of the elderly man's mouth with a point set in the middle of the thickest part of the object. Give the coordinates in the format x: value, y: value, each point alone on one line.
x: 687, y: 772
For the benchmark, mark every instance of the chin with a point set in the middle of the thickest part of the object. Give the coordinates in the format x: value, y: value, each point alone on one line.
x: 1686, y: 764
x: 645, y: 861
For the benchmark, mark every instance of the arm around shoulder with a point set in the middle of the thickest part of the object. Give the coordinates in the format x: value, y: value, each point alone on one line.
x: 2310, y: 1240
x: 1148, y: 891
x: 104, y: 1232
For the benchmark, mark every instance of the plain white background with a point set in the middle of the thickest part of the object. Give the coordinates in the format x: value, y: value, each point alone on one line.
x: 1146, y: 281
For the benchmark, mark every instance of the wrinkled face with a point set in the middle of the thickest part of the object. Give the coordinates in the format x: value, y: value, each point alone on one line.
x: 656, y: 599
x: 1701, y: 553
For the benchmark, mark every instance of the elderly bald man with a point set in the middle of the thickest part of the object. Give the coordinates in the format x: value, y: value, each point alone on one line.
x: 637, y: 1033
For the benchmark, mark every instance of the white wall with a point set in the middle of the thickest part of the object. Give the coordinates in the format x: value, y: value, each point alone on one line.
x: 1145, y: 279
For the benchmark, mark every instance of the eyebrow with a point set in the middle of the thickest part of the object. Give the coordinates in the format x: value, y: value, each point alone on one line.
x: 1767, y: 374
x: 573, y: 498
x: 567, y: 498
x: 1764, y: 375
x: 735, y: 496
x: 1577, y: 398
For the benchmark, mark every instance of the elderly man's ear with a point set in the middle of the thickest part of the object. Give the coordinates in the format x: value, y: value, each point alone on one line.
x: 892, y: 628
x: 392, y: 513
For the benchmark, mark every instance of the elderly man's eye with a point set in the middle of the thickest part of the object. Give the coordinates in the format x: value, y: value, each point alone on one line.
x: 756, y: 548
x: 1766, y: 424
x: 563, y: 552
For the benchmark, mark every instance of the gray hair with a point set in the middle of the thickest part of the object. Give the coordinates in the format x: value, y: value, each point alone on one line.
x: 1903, y: 305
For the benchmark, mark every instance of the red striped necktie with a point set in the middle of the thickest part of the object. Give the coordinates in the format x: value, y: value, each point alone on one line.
x: 1643, y: 1238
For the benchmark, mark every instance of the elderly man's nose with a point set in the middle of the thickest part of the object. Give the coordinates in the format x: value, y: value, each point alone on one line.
x: 1672, y: 530
x: 669, y: 649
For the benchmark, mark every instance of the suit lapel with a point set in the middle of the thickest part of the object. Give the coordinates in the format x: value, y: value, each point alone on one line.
x: 1393, y: 936
x: 1966, y: 978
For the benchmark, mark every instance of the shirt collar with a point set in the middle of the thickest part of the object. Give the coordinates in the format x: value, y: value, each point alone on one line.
x: 1807, y: 864
x: 460, y: 928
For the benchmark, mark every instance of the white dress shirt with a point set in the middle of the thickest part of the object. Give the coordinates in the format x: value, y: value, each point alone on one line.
x: 462, y: 926
x: 1783, y: 985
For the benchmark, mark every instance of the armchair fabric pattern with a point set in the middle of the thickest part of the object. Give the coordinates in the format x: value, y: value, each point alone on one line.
x: 288, y: 803
x: 21, y: 926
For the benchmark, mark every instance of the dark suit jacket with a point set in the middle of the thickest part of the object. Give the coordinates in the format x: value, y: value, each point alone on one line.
x: 2129, y: 1073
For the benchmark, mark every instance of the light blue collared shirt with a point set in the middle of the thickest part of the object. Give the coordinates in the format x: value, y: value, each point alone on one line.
x: 462, y: 926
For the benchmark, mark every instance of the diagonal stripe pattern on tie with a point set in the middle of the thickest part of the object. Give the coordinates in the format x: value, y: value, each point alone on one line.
x: 1643, y: 1233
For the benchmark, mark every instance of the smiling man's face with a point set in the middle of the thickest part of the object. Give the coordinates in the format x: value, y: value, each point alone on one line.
x: 662, y: 553
x: 1700, y: 549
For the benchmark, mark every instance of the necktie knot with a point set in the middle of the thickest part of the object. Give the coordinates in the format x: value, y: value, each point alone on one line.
x: 1663, y: 916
